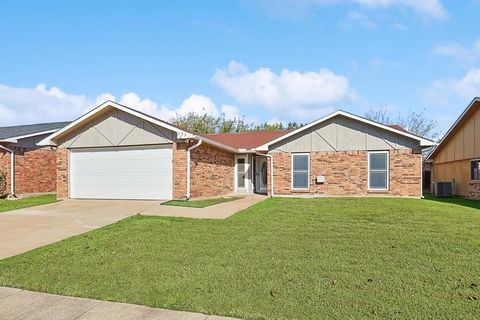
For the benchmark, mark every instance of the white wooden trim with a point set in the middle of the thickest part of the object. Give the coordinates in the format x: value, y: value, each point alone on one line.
x: 181, y: 133
x: 423, y: 142
x: 15, y: 139
x: 388, y: 170
x: 308, y: 171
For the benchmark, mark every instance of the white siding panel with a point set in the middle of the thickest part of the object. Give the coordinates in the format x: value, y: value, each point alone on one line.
x: 120, y: 173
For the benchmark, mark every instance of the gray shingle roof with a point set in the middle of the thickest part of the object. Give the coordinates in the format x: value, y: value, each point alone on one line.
x: 15, y: 131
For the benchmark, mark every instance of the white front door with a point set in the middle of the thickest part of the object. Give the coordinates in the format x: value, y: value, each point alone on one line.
x: 261, y: 175
x: 121, y: 173
x: 241, y: 171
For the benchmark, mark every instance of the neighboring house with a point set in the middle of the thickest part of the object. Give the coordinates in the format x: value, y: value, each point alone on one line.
x: 457, y: 157
x: 115, y: 152
x: 33, y: 168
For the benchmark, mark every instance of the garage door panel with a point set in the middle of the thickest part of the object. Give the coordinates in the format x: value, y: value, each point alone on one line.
x: 121, y: 174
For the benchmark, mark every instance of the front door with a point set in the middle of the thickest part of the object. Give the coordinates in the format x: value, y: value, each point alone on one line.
x: 261, y: 175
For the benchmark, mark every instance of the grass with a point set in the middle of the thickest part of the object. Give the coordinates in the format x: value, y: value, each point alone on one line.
x: 199, y: 203
x: 455, y: 200
x: 328, y: 258
x: 7, y: 205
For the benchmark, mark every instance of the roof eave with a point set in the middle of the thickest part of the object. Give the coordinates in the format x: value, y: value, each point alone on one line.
x: 422, y: 141
x: 50, y: 140
x: 446, y: 135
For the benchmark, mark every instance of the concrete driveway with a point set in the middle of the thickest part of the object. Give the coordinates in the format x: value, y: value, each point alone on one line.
x: 29, y: 228
x: 25, y: 229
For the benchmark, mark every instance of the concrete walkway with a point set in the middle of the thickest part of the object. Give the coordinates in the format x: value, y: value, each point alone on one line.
x: 218, y: 211
x: 28, y: 305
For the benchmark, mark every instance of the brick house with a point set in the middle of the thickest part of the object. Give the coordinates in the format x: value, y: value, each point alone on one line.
x: 25, y: 167
x: 115, y: 152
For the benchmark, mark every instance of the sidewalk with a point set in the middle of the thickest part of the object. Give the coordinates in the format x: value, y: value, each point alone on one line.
x: 218, y: 211
x: 29, y: 305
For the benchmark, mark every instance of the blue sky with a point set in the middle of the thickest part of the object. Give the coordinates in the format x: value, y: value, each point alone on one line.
x: 265, y: 60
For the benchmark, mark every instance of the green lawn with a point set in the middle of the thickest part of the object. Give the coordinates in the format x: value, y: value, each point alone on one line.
x: 329, y: 258
x: 7, y: 205
x: 199, y: 203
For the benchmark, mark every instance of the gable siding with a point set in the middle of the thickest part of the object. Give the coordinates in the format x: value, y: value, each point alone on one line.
x: 343, y: 134
x: 117, y: 128
x: 452, y: 161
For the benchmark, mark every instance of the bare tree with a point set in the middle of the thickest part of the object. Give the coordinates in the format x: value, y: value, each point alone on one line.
x: 414, y: 122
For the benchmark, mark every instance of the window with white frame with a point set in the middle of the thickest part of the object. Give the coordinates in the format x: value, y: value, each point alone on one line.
x: 300, y: 171
x: 475, y: 170
x: 378, y: 175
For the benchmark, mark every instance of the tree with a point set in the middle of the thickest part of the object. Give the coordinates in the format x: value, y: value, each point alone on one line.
x: 209, y: 123
x: 414, y: 122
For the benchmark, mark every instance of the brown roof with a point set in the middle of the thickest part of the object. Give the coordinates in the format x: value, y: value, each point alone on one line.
x: 246, y: 140
x: 397, y: 126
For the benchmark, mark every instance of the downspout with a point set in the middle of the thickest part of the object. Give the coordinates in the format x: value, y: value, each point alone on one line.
x: 271, y: 169
x: 188, y: 165
x: 12, y: 170
x: 421, y: 176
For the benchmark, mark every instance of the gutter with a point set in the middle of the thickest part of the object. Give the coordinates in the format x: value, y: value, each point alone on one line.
x: 188, y: 164
x: 271, y: 169
x: 12, y: 170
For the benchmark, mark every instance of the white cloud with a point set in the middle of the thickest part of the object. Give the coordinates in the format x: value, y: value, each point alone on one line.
x: 230, y: 111
x: 432, y: 9
x: 461, y: 53
x: 358, y: 18
x: 428, y: 8
x: 293, y: 92
x: 466, y: 87
x: 42, y: 104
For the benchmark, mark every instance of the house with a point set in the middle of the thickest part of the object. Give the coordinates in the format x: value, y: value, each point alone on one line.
x: 26, y: 167
x: 115, y: 152
x: 456, y: 159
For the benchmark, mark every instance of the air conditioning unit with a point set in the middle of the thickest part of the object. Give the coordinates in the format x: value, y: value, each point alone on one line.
x: 443, y: 189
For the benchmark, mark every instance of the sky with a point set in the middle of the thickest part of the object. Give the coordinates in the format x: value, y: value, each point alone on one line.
x: 285, y: 60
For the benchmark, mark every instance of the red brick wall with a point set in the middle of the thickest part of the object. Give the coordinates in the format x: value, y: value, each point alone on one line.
x: 212, y: 172
x: 62, y: 173
x: 35, y: 171
x: 179, y: 170
x: 346, y: 173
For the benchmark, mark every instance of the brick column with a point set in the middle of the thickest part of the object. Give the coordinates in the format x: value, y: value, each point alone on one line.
x: 62, y: 173
x: 179, y: 166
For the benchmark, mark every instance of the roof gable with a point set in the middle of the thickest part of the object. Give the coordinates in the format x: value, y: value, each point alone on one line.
x: 104, y: 107
x: 422, y: 141
x: 459, y: 122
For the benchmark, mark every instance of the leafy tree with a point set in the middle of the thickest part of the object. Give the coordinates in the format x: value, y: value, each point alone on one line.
x: 414, y: 122
x: 208, y: 123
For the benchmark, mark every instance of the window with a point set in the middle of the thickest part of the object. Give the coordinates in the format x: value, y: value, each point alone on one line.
x: 300, y: 171
x: 378, y: 170
x: 475, y: 170
x: 241, y: 173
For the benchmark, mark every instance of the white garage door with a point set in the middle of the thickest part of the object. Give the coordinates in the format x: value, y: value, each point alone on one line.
x: 121, y: 173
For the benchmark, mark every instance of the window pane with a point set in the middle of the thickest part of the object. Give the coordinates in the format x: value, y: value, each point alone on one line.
x: 378, y: 161
x: 300, y: 162
x: 300, y: 180
x: 241, y: 172
x: 378, y: 180
x: 241, y: 180
x: 475, y: 172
